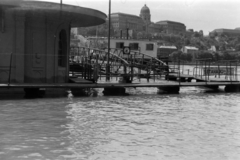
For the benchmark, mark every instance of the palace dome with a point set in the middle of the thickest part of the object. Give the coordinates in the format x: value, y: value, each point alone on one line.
x: 145, y: 10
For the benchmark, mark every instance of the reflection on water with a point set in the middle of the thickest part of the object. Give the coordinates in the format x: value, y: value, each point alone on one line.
x: 189, y: 126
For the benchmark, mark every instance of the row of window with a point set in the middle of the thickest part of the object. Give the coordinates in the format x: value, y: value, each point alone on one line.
x: 115, y: 24
x: 135, y: 46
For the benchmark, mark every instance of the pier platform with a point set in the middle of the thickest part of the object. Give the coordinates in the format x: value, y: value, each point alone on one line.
x: 104, y: 85
x: 182, y: 77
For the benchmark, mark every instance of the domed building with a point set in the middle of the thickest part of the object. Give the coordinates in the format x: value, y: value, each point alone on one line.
x: 145, y: 14
x: 149, y: 27
x: 122, y: 22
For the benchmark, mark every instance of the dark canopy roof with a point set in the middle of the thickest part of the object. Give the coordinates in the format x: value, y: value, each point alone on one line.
x: 79, y: 16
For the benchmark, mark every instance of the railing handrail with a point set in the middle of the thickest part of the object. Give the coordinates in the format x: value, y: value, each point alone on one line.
x: 96, y: 49
x: 136, y: 51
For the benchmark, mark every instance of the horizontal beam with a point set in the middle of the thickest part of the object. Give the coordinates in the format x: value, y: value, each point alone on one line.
x: 104, y: 85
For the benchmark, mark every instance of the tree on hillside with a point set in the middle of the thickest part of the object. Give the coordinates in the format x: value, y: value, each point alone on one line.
x: 175, y: 56
x: 222, y: 47
x: 237, y: 47
x: 204, y: 55
x: 196, y: 34
x: 227, y: 56
x: 186, y: 57
x: 216, y: 57
x: 186, y: 41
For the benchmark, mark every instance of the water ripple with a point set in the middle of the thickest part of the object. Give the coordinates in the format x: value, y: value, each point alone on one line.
x: 170, y: 127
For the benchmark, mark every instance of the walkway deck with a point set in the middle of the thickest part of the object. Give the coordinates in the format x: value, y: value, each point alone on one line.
x: 105, y: 85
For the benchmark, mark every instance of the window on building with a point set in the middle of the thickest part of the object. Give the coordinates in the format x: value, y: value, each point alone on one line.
x: 62, y: 48
x: 119, y: 45
x: 149, y: 47
x: 2, y: 18
x: 133, y: 46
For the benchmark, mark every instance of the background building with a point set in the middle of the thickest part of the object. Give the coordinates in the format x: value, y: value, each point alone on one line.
x: 172, y: 27
x: 122, y: 21
x: 142, y: 24
x: 145, y: 14
x: 228, y: 32
x: 150, y: 27
x: 165, y: 51
x: 35, y: 42
x: 190, y: 50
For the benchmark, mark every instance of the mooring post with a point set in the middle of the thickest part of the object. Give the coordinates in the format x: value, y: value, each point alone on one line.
x: 236, y: 75
x: 230, y: 71
x: 82, y: 65
x: 206, y: 71
x: 95, y: 72
x: 226, y: 71
x: 131, y: 68
x: 10, y: 69
x: 179, y: 79
x: 209, y: 70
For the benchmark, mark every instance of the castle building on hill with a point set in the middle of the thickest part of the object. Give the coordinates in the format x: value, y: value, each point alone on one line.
x: 172, y: 27
x: 229, y: 32
x: 122, y: 22
x: 145, y: 14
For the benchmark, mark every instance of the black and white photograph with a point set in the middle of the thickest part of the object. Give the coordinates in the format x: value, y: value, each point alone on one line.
x: 119, y: 80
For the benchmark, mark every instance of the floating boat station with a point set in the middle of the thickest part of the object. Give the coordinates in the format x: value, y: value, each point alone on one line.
x: 36, y: 56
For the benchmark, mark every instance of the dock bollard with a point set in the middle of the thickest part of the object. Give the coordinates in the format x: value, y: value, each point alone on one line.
x: 232, y: 88
x: 170, y: 89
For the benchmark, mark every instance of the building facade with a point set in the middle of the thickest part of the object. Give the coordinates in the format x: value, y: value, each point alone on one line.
x: 145, y: 14
x: 190, y: 50
x: 122, y: 21
x: 143, y: 24
x: 165, y: 51
x: 172, y: 27
x: 36, y: 42
x: 228, y: 32
x: 149, y: 26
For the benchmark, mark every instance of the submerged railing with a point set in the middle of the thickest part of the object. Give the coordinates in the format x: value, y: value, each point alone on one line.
x: 207, y: 70
x: 224, y: 69
x: 130, y: 65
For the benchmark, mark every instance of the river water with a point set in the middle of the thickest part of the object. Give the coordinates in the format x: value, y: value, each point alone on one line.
x: 192, y: 125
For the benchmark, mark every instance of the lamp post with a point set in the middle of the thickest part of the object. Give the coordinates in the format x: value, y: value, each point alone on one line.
x: 61, y: 6
x: 109, y: 32
x: 60, y: 9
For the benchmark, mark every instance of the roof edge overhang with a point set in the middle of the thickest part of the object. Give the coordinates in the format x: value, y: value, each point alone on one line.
x: 79, y: 16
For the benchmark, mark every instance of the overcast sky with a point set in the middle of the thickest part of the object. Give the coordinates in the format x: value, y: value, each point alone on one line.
x: 205, y: 15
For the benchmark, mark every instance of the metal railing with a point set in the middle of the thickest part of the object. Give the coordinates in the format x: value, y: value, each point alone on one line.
x: 225, y: 70
x: 130, y: 65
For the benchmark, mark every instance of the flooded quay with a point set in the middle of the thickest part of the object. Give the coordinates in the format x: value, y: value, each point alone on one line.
x: 191, y: 125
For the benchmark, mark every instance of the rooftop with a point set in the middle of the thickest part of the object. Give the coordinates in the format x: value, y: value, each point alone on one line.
x: 79, y: 16
x: 227, y: 30
x: 145, y: 10
x: 167, y: 21
x: 191, y: 47
x: 168, y: 47
x: 120, y: 13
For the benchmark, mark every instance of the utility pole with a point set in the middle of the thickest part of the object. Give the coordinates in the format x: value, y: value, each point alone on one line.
x: 60, y: 8
x: 109, y: 32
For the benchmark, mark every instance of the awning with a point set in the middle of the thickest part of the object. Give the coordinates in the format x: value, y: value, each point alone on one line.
x: 79, y: 16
